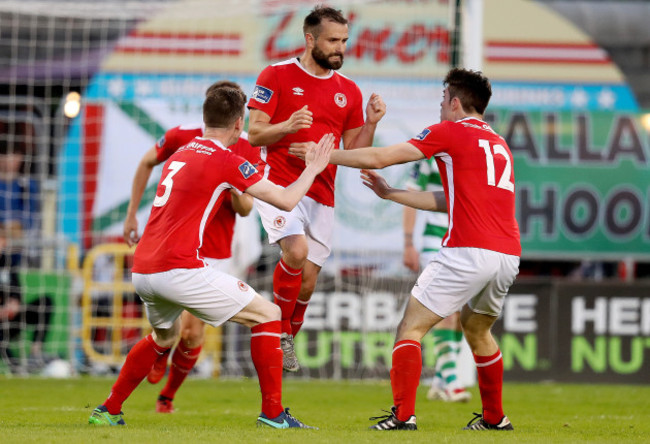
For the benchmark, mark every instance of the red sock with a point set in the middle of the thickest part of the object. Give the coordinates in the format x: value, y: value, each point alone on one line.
x: 183, y: 361
x: 298, y: 316
x: 161, y: 361
x: 405, y: 377
x: 286, y: 287
x: 267, y: 358
x: 138, y: 363
x: 490, y: 384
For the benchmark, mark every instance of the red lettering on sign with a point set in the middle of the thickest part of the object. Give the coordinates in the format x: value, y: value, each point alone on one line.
x: 407, y: 45
x: 271, y: 52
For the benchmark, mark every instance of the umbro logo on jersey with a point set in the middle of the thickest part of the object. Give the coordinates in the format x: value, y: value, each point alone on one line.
x: 298, y: 91
x: 262, y: 94
x: 247, y: 170
x: 423, y: 134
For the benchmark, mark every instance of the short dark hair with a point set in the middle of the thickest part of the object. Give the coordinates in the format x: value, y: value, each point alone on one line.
x: 472, y: 88
x: 221, y: 84
x: 223, y: 106
x: 312, y: 24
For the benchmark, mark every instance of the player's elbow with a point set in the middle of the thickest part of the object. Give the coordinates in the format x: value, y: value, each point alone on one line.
x: 243, y: 212
x: 377, y: 163
x: 381, y: 164
x: 254, y: 139
x: 255, y: 134
x: 379, y: 159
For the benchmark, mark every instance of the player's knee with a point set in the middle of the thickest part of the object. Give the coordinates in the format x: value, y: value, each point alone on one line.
x: 294, y: 251
x: 475, y: 332
x: 407, y: 330
x: 295, y: 259
x: 164, y: 337
x: 192, y: 337
x: 265, y: 311
x: 271, y: 313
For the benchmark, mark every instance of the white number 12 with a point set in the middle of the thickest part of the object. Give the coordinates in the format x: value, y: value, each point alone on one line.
x: 168, y: 183
x: 504, y: 181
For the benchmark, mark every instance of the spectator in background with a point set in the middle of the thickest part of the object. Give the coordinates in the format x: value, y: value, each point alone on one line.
x: 19, y: 208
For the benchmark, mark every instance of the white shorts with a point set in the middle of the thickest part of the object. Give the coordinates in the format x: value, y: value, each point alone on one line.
x: 309, y: 218
x: 209, y: 294
x: 219, y: 264
x: 473, y: 276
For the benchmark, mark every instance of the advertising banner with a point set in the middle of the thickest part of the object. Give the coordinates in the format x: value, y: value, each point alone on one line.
x: 582, y: 182
x: 573, y: 332
x: 564, y: 332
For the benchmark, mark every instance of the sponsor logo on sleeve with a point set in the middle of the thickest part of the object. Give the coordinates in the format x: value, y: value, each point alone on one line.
x: 423, y: 134
x: 247, y: 169
x: 161, y: 142
x: 262, y: 94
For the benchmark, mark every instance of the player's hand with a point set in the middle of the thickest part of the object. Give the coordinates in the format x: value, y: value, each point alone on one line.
x: 411, y: 258
x: 318, y: 156
x: 375, y: 109
x: 131, y: 236
x: 375, y: 182
x: 301, y: 119
x: 300, y: 149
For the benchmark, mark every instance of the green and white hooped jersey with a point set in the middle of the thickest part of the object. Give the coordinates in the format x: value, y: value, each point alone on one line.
x: 425, y: 177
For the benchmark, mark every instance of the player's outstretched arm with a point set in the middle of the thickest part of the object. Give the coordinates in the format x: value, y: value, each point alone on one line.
x: 140, y: 179
x: 262, y: 132
x: 369, y: 157
x: 317, y: 159
x: 423, y: 200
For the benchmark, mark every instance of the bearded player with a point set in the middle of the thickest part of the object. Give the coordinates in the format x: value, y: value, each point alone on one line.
x: 296, y: 102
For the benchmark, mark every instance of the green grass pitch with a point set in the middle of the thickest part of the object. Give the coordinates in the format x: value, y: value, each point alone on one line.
x: 224, y: 410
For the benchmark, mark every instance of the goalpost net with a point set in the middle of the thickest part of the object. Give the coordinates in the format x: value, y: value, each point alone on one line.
x: 141, y: 67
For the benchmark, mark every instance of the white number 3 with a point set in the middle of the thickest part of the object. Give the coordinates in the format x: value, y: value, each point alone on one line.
x: 168, y: 183
x: 504, y: 181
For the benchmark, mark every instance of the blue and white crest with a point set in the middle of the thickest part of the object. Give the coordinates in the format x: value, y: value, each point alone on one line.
x: 423, y: 134
x: 262, y: 94
x: 247, y: 169
x: 161, y: 142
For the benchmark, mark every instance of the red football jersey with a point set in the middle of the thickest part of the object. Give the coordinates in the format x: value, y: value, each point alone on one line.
x: 477, y: 174
x: 194, y: 181
x: 337, y: 106
x: 217, y: 243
